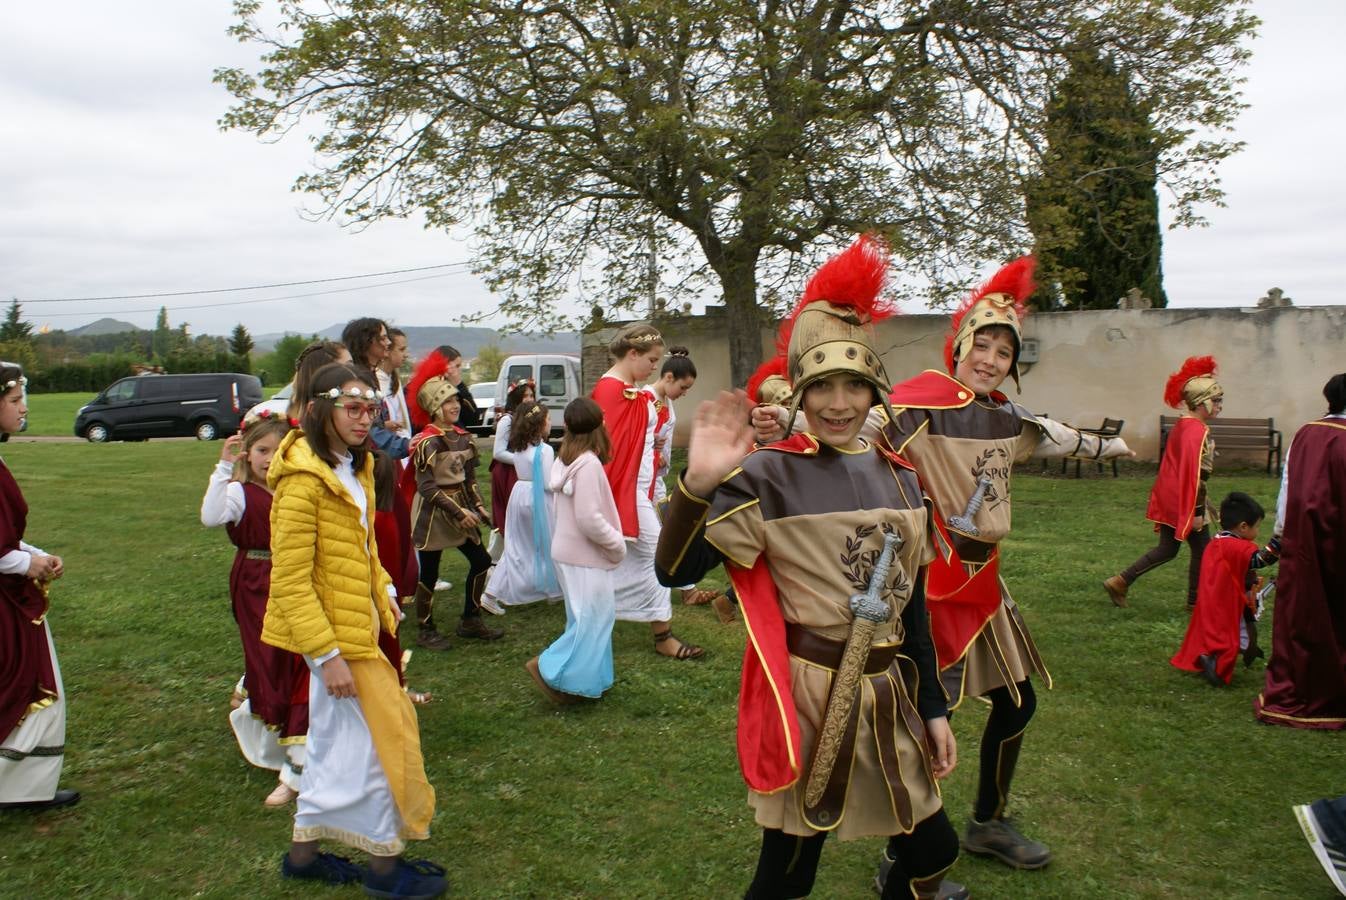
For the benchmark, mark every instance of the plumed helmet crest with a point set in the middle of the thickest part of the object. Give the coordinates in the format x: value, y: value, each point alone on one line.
x: 768, y: 375
x: 1000, y: 301
x: 1175, y: 393
x: 434, y: 365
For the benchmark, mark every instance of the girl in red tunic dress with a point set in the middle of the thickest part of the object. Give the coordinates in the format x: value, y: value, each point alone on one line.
x: 270, y: 716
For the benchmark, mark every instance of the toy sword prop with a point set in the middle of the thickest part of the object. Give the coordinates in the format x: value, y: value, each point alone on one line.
x: 868, y: 610
x: 964, y: 523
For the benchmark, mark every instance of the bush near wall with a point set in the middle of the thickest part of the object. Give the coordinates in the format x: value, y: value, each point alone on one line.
x: 100, y: 370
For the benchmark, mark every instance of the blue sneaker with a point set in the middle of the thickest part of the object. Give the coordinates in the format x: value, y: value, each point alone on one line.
x: 417, y: 879
x: 325, y: 867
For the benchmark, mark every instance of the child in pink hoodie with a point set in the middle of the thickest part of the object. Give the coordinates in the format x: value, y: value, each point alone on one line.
x: 587, y: 545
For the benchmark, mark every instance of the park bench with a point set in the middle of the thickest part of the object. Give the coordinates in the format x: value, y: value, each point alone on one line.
x: 1109, y: 428
x: 1235, y: 434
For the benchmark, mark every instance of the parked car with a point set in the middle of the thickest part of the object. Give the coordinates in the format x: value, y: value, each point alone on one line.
x: 557, y: 377
x: 483, y: 394
x: 147, y: 406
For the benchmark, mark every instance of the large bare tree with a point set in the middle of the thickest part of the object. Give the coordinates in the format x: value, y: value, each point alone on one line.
x: 740, y: 139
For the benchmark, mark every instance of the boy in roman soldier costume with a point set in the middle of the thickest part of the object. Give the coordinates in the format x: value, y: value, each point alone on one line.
x: 842, y: 726
x: 1178, y: 499
x: 1223, y: 600
x: 963, y: 436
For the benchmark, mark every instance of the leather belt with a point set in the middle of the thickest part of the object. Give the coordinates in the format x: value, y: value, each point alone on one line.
x: 827, y: 653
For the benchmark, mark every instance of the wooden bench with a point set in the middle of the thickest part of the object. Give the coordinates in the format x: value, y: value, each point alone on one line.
x: 1109, y: 428
x: 1235, y: 434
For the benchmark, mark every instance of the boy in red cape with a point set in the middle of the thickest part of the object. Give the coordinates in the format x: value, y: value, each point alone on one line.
x: 799, y: 526
x: 1222, y: 601
x: 1178, y: 499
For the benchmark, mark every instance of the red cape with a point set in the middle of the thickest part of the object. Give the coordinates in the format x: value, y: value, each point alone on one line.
x: 1220, y: 600
x: 1173, y: 497
x: 662, y: 412
x: 626, y: 413
x: 934, y: 390
x: 768, y: 723
x: 26, y: 673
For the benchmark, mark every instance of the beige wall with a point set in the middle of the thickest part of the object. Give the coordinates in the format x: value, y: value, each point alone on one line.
x: 1094, y: 363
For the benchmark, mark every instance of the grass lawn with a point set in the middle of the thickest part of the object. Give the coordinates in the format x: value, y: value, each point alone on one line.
x: 1143, y: 780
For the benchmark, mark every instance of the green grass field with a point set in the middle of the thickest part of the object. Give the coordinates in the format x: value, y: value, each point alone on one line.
x: 1143, y: 780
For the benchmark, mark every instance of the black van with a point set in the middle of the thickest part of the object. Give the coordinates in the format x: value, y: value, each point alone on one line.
x: 148, y: 406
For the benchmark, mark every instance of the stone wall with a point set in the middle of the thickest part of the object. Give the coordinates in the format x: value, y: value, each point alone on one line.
x: 1092, y: 363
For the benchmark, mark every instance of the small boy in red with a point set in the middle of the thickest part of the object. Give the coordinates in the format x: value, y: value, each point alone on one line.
x: 1223, y: 599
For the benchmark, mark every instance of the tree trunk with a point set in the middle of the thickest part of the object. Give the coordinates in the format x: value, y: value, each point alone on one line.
x: 739, y: 281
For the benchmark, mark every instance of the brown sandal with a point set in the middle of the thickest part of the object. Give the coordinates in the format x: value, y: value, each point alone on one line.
x: 684, y: 651
x: 418, y: 698
x: 697, y: 597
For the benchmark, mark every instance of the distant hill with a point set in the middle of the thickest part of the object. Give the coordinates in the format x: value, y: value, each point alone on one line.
x: 421, y: 339
x: 103, y: 326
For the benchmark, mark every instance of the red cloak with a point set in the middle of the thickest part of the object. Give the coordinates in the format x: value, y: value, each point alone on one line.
x: 26, y: 673
x: 1173, y: 497
x: 626, y: 414
x: 768, y: 723
x: 1220, y: 600
x: 960, y: 604
x: 1306, y: 675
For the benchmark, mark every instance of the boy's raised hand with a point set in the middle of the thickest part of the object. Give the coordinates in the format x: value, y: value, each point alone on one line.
x: 721, y: 437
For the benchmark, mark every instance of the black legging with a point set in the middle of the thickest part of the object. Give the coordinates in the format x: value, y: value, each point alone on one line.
x: 478, y: 562
x: 1000, y: 747
x: 787, y: 864
x: 1167, y: 549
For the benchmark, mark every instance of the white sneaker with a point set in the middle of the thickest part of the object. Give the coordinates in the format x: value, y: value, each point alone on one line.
x: 492, y: 605
x: 1330, y: 854
x: 283, y: 795
x: 443, y: 585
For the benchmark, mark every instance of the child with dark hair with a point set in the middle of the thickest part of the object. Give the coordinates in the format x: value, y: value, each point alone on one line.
x: 503, y: 475
x: 1223, y: 603
x: 364, y: 781
x: 525, y: 573
x: 587, y: 547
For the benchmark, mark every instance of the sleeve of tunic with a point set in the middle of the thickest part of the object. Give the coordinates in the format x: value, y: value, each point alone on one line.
x: 500, y: 449
x: 1044, y: 438
x: 225, y: 501
x: 918, y: 645
x: 684, y: 554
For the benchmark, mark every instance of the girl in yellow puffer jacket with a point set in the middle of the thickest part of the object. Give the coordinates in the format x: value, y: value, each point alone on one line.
x: 364, y: 780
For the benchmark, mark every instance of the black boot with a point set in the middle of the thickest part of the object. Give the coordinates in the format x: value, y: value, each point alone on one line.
x: 1252, y: 651
x: 429, y: 636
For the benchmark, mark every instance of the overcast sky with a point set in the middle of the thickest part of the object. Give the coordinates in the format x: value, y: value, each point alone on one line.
x: 117, y: 181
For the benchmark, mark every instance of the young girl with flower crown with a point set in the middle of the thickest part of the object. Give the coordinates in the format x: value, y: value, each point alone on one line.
x: 525, y: 573
x: 270, y: 715
x: 32, y: 697
x: 364, y: 779
x: 503, y: 474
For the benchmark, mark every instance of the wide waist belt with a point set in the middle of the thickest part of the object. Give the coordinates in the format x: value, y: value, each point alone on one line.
x: 257, y: 554
x: 826, y: 652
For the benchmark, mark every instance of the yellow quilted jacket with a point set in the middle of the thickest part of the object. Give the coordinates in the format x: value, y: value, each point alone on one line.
x: 328, y: 589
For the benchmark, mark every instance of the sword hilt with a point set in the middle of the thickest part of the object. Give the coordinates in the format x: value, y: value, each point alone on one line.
x: 869, y: 605
x: 965, y: 523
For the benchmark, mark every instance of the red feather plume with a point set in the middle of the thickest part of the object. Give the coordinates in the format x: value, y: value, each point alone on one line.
x: 1015, y: 279
x: 434, y: 365
x: 1191, y: 368
x: 852, y: 279
x: 773, y: 366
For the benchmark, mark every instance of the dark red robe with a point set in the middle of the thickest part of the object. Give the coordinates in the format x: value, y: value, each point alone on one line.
x: 626, y: 415
x: 392, y: 532
x: 276, y: 680
x: 1220, y: 600
x: 1306, y: 676
x: 1173, y: 497
x: 26, y: 673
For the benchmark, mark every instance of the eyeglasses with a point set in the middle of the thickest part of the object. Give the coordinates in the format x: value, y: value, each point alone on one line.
x: 355, y: 409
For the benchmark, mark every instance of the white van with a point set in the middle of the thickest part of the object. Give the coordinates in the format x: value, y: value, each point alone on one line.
x: 557, y: 377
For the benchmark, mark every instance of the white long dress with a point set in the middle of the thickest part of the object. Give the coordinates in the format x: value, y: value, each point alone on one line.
x: 640, y: 596
x: 524, y: 574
